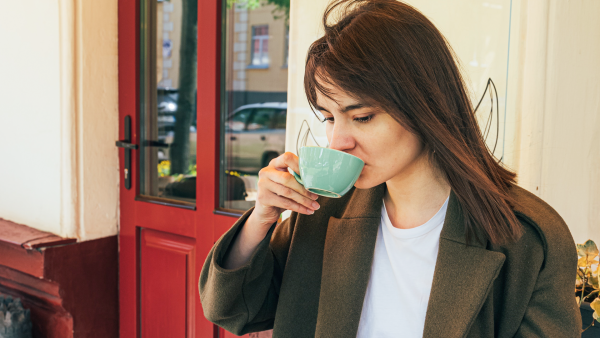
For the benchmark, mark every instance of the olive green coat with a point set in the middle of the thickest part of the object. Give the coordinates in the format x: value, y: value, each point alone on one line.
x: 309, y: 275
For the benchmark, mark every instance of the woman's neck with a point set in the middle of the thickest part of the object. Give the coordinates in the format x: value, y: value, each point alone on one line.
x: 414, y: 196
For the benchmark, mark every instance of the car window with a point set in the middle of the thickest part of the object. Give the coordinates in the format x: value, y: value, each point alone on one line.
x: 261, y: 119
x: 238, y: 121
x: 279, y: 119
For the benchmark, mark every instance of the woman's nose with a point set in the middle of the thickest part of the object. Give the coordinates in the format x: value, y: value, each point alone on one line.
x: 341, y: 139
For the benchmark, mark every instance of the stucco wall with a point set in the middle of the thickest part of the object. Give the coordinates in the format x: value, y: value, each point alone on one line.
x: 59, y: 91
x: 558, y: 131
x: 97, y: 115
x: 30, y: 117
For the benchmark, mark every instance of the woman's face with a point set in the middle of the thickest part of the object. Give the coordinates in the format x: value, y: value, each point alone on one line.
x: 388, y: 149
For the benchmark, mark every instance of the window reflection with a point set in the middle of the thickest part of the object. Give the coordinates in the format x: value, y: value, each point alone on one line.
x: 254, y: 97
x: 260, y: 45
x: 168, y: 147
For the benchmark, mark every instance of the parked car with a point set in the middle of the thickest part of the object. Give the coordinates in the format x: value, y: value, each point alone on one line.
x: 254, y: 135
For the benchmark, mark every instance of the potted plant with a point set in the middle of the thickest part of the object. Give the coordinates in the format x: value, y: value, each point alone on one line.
x: 587, y: 288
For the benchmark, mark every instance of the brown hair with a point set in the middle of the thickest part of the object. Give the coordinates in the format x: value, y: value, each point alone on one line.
x: 391, y: 56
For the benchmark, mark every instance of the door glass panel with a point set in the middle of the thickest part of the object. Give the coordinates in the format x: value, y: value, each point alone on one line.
x: 168, y: 99
x: 253, y: 96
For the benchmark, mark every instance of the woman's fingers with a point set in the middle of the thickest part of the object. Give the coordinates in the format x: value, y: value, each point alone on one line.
x: 289, y: 193
x: 282, y: 163
x: 271, y: 198
x: 286, y: 179
x: 286, y: 160
x: 278, y: 189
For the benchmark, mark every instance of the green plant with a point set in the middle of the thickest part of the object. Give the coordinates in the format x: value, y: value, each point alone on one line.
x: 586, y: 282
x: 164, y: 169
x: 281, y: 6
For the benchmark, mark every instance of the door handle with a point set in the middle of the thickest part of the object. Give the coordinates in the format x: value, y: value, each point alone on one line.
x: 126, y: 145
x: 233, y: 138
x: 157, y: 144
x: 127, y: 148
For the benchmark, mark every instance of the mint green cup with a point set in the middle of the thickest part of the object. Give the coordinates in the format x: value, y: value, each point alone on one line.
x: 328, y: 172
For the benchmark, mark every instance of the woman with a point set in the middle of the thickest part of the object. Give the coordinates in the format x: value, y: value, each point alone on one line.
x: 435, y: 240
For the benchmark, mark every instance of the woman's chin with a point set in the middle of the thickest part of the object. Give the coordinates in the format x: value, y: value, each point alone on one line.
x: 365, y: 181
x: 361, y: 183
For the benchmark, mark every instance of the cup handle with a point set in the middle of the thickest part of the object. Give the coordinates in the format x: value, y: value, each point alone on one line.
x: 297, y: 177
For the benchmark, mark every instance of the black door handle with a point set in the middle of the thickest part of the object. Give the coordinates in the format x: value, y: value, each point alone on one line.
x: 233, y: 138
x: 157, y: 144
x: 127, y: 147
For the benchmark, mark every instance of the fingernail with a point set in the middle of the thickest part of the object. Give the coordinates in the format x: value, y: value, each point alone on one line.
x: 310, y: 212
x: 315, y: 205
x: 314, y: 196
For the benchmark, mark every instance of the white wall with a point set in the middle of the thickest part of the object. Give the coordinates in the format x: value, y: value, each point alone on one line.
x: 305, y: 27
x: 550, y: 78
x: 30, y: 117
x: 559, y: 105
x: 59, y: 117
x: 98, y: 117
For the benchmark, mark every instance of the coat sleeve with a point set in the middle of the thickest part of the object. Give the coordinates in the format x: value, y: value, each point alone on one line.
x: 245, y: 299
x: 552, y: 310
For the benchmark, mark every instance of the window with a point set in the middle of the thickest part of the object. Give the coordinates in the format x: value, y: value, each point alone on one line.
x: 260, y: 46
x: 279, y: 119
x: 168, y: 95
x: 253, y: 100
x: 238, y: 121
x: 261, y: 119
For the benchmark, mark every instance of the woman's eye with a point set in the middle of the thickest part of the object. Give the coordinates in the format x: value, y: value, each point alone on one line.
x: 363, y: 119
x: 358, y: 119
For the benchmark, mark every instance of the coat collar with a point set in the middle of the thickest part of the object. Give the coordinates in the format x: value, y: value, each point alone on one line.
x: 462, y: 278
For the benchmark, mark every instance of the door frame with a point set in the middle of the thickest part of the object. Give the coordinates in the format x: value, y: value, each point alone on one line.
x: 207, y: 222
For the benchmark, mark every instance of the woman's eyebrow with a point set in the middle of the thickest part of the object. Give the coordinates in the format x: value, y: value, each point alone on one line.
x: 346, y: 108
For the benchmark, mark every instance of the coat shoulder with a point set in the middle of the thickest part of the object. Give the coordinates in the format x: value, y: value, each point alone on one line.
x: 537, y: 215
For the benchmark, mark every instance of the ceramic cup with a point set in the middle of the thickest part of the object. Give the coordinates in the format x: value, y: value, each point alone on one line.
x: 328, y: 172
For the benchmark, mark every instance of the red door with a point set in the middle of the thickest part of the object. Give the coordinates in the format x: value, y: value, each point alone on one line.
x: 180, y: 114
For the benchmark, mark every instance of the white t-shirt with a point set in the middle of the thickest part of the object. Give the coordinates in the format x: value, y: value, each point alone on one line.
x: 401, y: 276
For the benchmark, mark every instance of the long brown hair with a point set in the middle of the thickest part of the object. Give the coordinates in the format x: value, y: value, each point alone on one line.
x: 387, y: 53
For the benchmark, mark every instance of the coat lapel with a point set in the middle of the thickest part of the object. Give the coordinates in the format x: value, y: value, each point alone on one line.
x: 462, y: 279
x: 347, y: 257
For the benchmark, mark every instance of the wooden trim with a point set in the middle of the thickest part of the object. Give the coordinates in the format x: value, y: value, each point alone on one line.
x: 26, y: 261
x: 166, y: 201
x: 21, y: 247
x: 24, y: 284
x: 28, y: 237
x: 228, y: 212
x: 58, y: 284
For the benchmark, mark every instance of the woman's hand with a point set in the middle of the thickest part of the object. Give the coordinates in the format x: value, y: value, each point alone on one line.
x: 278, y: 190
